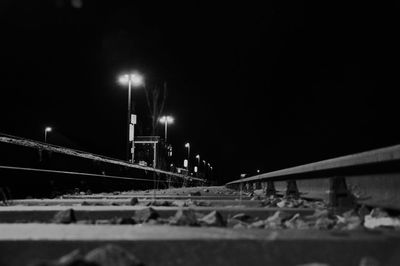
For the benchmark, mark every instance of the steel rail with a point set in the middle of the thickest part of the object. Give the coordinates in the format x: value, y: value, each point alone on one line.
x: 73, y: 173
x: 359, y: 163
x: 5, y: 138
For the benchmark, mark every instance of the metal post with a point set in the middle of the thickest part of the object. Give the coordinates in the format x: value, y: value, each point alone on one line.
x: 166, y: 129
x: 129, y: 121
x: 155, y: 155
x: 188, y: 159
x: 133, y: 143
x: 45, y: 136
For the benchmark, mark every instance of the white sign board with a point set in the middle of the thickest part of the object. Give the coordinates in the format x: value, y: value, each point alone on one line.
x: 133, y: 119
x: 131, y: 132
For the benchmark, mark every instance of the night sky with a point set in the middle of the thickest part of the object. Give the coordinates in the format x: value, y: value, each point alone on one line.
x: 251, y: 86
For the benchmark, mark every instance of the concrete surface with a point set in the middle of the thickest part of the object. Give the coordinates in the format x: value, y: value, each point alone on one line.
x: 166, y: 245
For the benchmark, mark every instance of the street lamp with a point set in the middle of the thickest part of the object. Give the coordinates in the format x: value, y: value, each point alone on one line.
x: 46, y: 130
x: 187, y: 145
x: 166, y: 120
x: 132, y: 79
x: 198, y: 160
x: 205, y: 168
x: 197, y: 168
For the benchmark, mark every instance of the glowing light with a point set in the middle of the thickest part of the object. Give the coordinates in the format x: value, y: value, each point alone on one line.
x: 134, y: 78
x: 198, y: 156
x: 48, y: 129
x: 167, y: 119
x: 187, y: 145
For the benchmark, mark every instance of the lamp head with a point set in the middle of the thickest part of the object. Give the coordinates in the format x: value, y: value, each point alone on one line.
x: 134, y: 78
x: 167, y: 119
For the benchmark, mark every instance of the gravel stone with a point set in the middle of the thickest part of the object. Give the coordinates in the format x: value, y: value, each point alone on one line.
x: 144, y: 215
x: 64, y: 217
x: 241, y: 217
x: 184, y: 217
x: 214, y: 218
x: 196, y: 193
x: 112, y: 255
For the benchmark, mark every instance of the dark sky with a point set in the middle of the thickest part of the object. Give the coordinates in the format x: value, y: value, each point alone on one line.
x: 251, y: 86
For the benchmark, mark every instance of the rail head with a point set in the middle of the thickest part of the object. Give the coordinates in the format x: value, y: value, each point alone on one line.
x: 349, y: 164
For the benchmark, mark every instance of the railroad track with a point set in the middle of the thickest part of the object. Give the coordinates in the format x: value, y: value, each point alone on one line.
x: 343, y: 211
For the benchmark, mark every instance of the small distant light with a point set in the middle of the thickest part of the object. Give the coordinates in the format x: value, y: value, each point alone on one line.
x: 185, y: 163
x: 258, y: 171
x: 198, y: 156
x: 195, y: 169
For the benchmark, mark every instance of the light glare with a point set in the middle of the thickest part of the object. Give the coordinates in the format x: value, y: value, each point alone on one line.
x: 168, y: 119
x: 135, y: 78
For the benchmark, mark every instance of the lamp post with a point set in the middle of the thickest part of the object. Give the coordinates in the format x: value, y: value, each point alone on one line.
x: 205, y: 168
x: 198, y: 164
x: 46, y: 130
x: 132, y: 79
x: 187, y: 145
x: 166, y: 120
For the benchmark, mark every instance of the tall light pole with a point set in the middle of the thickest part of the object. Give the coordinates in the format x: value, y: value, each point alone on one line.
x: 46, y: 130
x: 205, y: 168
x: 198, y: 164
x: 132, y: 79
x: 166, y: 120
x: 187, y: 145
x: 198, y: 160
